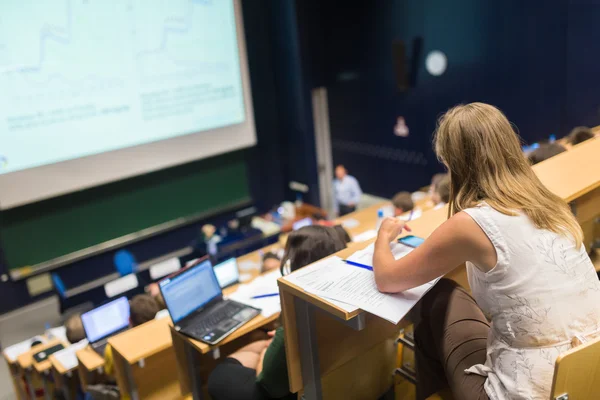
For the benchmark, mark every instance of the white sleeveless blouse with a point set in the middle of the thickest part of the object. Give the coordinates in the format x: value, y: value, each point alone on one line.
x: 540, y: 295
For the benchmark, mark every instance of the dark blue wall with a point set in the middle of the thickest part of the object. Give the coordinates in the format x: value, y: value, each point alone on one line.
x: 582, y: 104
x: 282, y: 103
x: 536, y: 60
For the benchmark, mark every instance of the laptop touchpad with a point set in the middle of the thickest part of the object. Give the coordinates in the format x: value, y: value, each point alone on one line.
x: 227, y: 325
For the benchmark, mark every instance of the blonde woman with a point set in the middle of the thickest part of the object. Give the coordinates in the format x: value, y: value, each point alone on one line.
x: 527, y: 269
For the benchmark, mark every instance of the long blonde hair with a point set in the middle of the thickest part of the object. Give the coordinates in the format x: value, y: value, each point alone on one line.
x: 483, y: 155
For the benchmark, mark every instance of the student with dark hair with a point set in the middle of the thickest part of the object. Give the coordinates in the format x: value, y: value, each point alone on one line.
x: 270, y: 262
x: 343, y: 234
x: 579, y: 135
x: 143, y: 309
x: 403, y: 203
x: 544, y: 152
x: 259, y: 370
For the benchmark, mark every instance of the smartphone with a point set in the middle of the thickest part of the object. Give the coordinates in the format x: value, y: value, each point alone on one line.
x: 411, y: 241
x: 44, y: 354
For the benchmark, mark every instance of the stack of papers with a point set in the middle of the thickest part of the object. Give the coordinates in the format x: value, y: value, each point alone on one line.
x: 364, y: 236
x: 350, y: 223
x: 67, y: 356
x: 309, y: 276
x: 14, y: 351
x: 58, y: 333
x: 264, y: 285
x: 162, y: 314
x: 365, y: 256
x: 333, y: 279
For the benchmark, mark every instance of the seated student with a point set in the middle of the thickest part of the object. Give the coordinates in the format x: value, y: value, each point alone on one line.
x: 75, y: 332
x: 154, y: 290
x: 259, y: 370
x: 441, y: 196
x: 544, y: 152
x: 525, y: 261
x: 270, y: 262
x: 435, y: 179
x: 143, y: 308
x: 579, y: 135
x: 403, y: 203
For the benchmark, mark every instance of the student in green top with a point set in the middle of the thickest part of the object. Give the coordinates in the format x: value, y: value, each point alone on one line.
x: 259, y: 371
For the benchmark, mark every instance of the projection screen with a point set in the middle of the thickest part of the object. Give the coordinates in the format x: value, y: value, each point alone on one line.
x: 97, y: 91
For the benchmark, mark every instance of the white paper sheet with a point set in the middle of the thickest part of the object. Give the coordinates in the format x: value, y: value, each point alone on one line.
x: 165, y: 268
x: 416, y: 196
x: 248, y: 266
x: 162, y: 314
x: 364, y: 236
x: 334, y: 279
x: 121, y: 285
x: 357, y: 286
x: 263, y: 285
x: 14, y: 351
x: 67, y: 356
x: 312, y: 274
x: 350, y: 223
x: 59, y: 332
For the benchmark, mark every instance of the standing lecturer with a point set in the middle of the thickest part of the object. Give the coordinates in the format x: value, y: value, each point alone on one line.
x: 347, y: 191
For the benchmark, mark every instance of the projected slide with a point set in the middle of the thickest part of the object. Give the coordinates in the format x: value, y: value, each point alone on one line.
x: 82, y: 77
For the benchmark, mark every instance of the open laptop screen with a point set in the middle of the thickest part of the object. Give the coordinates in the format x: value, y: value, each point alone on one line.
x: 227, y: 272
x: 190, y: 290
x: 105, y: 320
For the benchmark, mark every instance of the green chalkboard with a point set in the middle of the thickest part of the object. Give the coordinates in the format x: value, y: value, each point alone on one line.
x: 43, y: 231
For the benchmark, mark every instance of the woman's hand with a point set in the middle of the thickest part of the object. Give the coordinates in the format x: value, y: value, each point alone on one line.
x: 390, y: 229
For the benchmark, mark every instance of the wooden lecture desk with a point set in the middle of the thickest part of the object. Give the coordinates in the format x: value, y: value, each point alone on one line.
x: 195, y: 359
x: 65, y: 379
x: 319, y: 344
x: 575, y: 176
x: 144, y: 360
x: 322, y: 338
x: 90, y: 367
x: 366, y: 219
x: 16, y: 376
x: 33, y: 371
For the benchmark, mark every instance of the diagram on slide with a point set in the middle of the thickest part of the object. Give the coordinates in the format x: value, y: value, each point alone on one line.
x: 107, y: 74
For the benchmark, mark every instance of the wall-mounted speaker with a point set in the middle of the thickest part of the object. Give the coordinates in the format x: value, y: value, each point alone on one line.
x: 406, y: 68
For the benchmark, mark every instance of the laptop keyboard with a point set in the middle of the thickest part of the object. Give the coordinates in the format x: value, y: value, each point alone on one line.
x: 209, y: 322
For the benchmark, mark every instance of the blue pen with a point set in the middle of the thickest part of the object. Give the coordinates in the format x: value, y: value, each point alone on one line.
x: 358, y: 265
x: 262, y: 296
